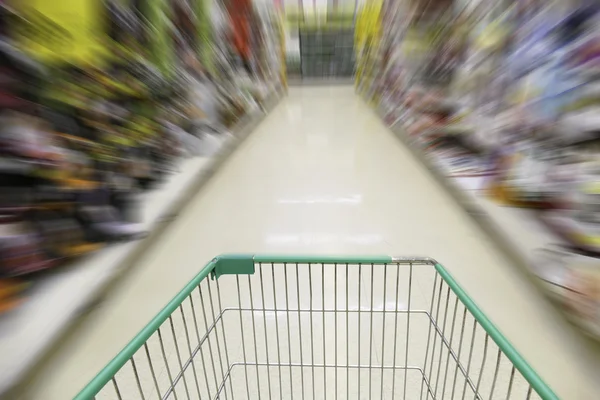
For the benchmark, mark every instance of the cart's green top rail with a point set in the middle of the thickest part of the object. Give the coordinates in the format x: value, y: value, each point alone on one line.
x: 245, y: 264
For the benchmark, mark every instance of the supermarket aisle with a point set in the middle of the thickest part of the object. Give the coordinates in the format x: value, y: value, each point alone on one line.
x: 323, y: 175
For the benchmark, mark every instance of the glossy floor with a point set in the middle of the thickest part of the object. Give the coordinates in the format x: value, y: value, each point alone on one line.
x: 322, y: 175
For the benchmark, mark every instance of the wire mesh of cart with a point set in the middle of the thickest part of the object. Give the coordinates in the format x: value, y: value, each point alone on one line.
x: 285, y: 327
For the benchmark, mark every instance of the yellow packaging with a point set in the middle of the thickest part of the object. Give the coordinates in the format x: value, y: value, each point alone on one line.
x: 62, y: 30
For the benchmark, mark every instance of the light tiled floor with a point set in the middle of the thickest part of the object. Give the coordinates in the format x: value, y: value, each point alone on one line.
x: 322, y: 175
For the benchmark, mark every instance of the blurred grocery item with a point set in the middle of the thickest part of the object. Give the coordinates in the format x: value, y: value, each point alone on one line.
x: 573, y: 281
x: 11, y: 292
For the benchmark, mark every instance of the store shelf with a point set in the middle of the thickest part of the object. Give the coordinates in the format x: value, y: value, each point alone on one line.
x: 60, y: 296
x: 518, y: 231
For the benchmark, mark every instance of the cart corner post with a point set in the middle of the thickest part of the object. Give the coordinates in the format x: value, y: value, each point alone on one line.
x: 233, y: 264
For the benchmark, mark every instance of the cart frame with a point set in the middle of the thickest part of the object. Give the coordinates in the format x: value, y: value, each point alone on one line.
x: 246, y: 264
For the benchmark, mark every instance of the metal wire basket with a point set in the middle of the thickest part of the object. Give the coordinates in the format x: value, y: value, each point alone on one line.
x: 288, y: 327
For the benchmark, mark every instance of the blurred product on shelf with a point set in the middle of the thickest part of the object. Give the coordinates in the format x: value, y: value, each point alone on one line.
x: 573, y: 282
x: 502, y: 98
x: 11, y: 292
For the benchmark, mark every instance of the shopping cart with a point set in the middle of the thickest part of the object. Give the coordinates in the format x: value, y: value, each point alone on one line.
x: 286, y: 327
